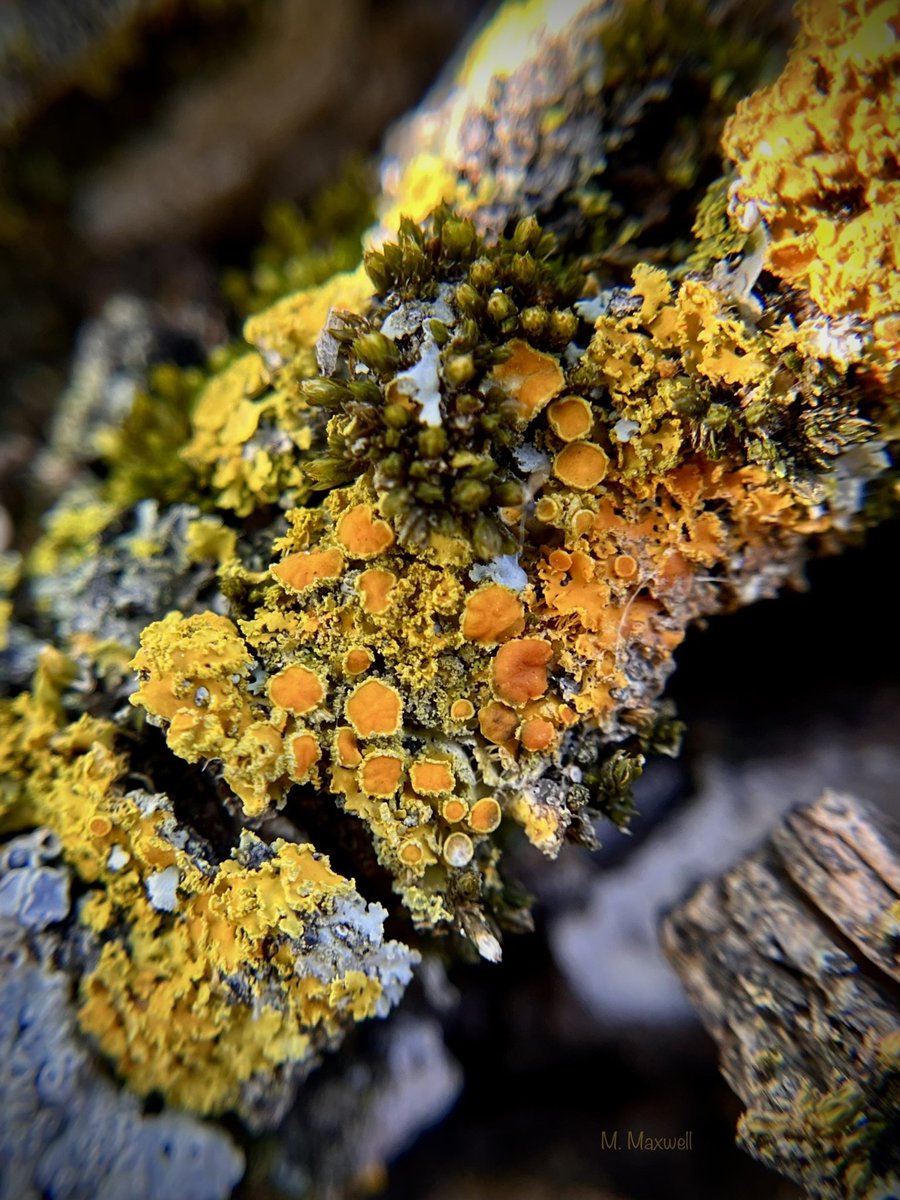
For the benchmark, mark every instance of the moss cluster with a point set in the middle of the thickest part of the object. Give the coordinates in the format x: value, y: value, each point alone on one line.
x: 414, y: 385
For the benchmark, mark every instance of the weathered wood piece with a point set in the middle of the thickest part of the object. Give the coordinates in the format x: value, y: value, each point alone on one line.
x: 792, y: 960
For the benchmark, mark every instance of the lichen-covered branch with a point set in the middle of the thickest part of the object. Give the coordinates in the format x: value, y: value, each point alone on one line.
x: 407, y: 568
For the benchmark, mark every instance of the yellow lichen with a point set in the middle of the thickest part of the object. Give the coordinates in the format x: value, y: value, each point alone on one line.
x: 816, y: 155
x: 159, y: 1001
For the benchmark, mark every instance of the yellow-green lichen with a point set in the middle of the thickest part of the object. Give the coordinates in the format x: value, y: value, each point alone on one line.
x: 199, y: 985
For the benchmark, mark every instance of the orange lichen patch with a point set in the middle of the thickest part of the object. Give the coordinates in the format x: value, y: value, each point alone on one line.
x: 376, y: 585
x: 578, y: 591
x: 520, y: 669
x: 530, y: 377
x: 492, y: 614
x: 357, y: 660
x: 346, y: 747
x: 454, y: 810
x: 582, y: 522
x: 431, y: 776
x: 537, y: 733
x: 296, y: 689
x: 567, y: 716
x: 362, y: 534
x: 462, y: 710
x: 374, y: 707
x: 458, y: 850
x: 306, y: 753
x: 497, y: 722
x: 559, y: 560
x: 625, y: 566
x: 707, y: 535
x: 381, y: 774
x: 571, y: 418
x: 486, y: 815
x: 581, y: 465
x: 303, y: 570
x: 411, y: 853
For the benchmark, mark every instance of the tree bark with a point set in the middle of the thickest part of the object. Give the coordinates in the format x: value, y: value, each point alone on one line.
x: 792, y: 960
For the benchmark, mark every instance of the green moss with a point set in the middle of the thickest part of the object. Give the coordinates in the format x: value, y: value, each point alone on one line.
x: 443, y: 477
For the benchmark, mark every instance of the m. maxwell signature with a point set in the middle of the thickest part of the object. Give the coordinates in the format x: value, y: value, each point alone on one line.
x: 639, y: 1139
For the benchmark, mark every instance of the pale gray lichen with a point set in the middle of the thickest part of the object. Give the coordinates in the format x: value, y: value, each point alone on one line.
x: 66, y: 1131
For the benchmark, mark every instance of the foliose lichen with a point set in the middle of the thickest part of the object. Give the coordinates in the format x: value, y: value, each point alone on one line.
x: 66, y: 1130
x: 442, y: 521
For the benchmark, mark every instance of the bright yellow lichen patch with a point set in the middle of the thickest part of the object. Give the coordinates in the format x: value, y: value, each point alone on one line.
x: 530, y: 377
x: 181, y: 1033
x: 192, y: 673
x: 817, y: 158
x: 291, y: 325
x: 231, y: 450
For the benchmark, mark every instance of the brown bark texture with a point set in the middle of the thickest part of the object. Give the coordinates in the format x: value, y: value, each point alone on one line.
x: 792, y: 960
